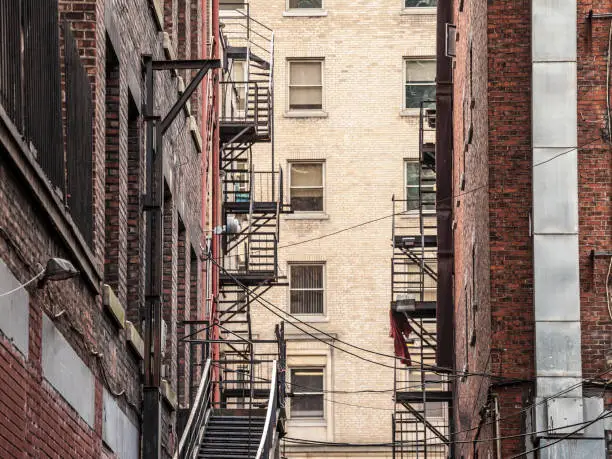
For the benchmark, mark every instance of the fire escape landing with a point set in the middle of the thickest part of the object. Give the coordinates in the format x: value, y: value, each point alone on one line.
x: 422, y: 396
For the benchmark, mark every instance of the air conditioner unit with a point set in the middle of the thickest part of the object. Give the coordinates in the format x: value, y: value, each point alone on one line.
x: 451, y: 40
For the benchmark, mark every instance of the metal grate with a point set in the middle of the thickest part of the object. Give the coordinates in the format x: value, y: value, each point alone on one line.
x: 42, y: 86
x: 79, y: 139
x: 10, y: 60
x: 30, y: 87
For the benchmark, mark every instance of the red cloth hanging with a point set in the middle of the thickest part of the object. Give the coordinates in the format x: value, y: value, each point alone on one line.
x: 400, y: 330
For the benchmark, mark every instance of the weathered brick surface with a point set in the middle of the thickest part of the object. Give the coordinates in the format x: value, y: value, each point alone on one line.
x: 495, y: 219
x: 594, y: 192
x: 35, y: 421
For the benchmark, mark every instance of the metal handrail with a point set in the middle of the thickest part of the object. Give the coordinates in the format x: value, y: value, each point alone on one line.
x: 271, y: 414
x: 190, y: 440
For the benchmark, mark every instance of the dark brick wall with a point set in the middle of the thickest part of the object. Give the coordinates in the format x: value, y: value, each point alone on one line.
x: 594, y: 191
x: 492, y: 185
x: 492, y: 188
x: 36, y: 420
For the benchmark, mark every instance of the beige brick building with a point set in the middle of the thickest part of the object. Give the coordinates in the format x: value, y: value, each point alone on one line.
x: 343, y: 132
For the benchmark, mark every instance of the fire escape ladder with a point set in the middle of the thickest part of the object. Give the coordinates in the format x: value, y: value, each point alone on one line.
x: 422, y: 397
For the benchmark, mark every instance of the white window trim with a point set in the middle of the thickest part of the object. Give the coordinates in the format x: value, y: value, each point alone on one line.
x: 314, y: 214
x: 407, y: 10
x: 315, y: 420
x: 411, y: 111
x: 305, y: 113
x: 304, y: 12
x: 320, y: 317
x: 412, y: 212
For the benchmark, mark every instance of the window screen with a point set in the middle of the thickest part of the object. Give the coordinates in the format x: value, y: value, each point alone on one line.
x: 307, y: 387
x: 306, y: 289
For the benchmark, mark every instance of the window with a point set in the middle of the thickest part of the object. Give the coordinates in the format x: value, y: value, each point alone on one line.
x: 305, y: 4
x: 415, y: 173
x: 231, y: 4
x: 306, y: 85
x: 306, y: 289
x: 307, y: 387
x: 306, y: 187
x: 420, y: 82
x: 420, y: 3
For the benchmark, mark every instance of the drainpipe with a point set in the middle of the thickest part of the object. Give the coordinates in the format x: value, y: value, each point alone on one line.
x: 497, y: 428
x: 216, y: 196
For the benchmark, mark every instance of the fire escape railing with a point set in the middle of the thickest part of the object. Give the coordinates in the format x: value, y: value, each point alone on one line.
x: 201, y: 406
x: 421, y: 410
x: 271, y: 416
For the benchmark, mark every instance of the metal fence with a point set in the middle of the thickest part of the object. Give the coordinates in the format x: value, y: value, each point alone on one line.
x: 79, y: 138
x: 30, y: 90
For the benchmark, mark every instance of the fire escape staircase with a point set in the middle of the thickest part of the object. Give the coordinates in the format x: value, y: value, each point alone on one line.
x: 422, y: 396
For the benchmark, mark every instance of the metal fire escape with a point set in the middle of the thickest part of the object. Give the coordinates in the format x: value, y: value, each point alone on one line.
x: 237, y: 410
x: 422, y: 396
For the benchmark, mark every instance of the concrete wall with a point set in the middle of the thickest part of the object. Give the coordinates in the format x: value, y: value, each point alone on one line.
x: 363, y: 138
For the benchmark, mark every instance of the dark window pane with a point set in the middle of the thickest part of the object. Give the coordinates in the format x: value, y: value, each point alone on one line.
x: 420, y: 3
x: 307, y: 406
x: 307, y: 203
x: 305, y: 3
x: 307, y: 276
x: 307, y: 380
x: 307, y: 302
x: 415, y: 94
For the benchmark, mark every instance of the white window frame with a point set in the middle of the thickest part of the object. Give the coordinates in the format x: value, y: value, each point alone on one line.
x: 323, y: 186
x: 323, y: 370
x: 305, y: 111
x: 410, y: 211
x: 304, y: 12
x: 418, y: 9
x: 405, y: 109
x: 323, y: 288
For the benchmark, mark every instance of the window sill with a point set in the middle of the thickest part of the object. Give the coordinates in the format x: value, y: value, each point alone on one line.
x: 307, y: 216
x: 297, y: 318
x: 308, y: 422
x: 411, y: 112
x: 306, y: 114
x: 418, y: 11
x: 307, y: 13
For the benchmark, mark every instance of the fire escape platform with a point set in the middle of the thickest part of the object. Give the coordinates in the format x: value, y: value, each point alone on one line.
x: 248, y: 279
x: 407, y: 242
x: 245, y: 207
x: 415, y: 309
x: 417, y: 396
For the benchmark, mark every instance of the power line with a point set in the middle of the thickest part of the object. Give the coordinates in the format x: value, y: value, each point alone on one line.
x: 430, y: 368
x: 25, y: 284
x: 582, y: 425
x: 473, y: 190
x: 603, y: 415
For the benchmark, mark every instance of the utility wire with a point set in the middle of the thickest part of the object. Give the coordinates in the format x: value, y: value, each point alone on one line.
x: 430, y: 368
x: 473, y: 190
x: 25, y: 284
x: 583, y: 425
x: 603, y: 415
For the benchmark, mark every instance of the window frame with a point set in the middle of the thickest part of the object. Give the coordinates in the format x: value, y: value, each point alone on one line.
x: 313, y: 368
x: 305, y: 111
x: 289, y: 9
x: 323, y: 185
x: 419, y: 9
x: 405, y: 83
x: 416, y: 210
x: 323, y: 288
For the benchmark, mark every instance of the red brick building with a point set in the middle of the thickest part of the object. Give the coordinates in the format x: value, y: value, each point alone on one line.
x: 532, y: 223
x: 73, y: 181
